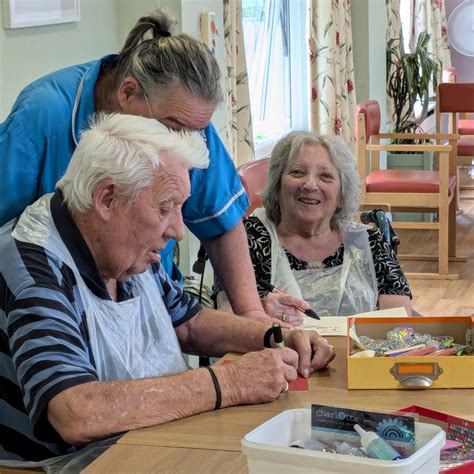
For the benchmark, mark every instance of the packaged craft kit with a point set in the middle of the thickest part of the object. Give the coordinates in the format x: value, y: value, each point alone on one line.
x: 457, y: 455
x: 416, y: 352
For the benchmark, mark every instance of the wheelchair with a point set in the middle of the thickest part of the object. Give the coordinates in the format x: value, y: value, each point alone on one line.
x: 382, y: 221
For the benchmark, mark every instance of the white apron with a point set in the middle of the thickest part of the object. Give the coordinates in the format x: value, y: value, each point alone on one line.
x: 129, y: 340
x: 346, y: 289
x: 132, y: 339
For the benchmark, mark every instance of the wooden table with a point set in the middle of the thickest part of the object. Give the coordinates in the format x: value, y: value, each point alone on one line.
x: 210, y: 442
x: 126, y: 458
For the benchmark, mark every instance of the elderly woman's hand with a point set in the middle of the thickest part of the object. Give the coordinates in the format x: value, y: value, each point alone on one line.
x: 285, y: 308
x: 257, y: 377
x: 314, y: 352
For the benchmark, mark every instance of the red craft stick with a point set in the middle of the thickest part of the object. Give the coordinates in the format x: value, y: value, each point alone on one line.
x: 445, y: 352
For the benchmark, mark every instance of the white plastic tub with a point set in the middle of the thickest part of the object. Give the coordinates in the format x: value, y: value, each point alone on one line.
x: 267, y: 450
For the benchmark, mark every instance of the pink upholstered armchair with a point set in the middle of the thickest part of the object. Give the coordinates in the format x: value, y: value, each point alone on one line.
x: 254, y: 176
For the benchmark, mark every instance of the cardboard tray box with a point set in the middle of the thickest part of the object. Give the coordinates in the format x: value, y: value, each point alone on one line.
x: 411, y: 372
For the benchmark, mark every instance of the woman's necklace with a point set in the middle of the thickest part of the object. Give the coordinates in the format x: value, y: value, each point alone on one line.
x: 300, y: 251
x: 316, y: 265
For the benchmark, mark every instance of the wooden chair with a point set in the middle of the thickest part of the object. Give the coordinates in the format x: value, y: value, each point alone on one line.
x: 465, y: 124
x: 453, y: 99
x: 410, y: 190
x: 254, y: 176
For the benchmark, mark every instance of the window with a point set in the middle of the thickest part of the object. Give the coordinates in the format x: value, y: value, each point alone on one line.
x: 276, y: 49
x: 409, y: 40
x: 406, y: 20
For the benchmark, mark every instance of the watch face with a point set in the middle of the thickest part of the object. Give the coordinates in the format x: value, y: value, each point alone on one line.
x: 461, y: 28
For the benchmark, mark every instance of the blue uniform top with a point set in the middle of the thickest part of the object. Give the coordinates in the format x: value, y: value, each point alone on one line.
x: 39, y: 136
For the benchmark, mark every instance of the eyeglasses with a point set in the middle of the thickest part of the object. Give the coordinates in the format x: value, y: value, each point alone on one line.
x: 201, y: 131
x: 148, y: 106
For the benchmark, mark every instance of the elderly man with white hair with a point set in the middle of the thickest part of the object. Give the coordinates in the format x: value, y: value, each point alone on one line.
x: 92, y: 329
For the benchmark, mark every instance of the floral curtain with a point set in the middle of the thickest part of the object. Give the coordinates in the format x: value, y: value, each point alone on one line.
x: 430, y: 16
x: 394, y: 32
x: 394, y: 22
x: 332, y: 70
x: 239, y: 118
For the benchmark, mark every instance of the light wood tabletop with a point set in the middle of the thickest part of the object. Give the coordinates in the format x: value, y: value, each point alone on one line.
x: 222, y: 430
x: 128, y: 459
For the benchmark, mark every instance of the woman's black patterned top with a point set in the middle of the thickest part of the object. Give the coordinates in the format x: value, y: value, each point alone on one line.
x: 390, y: 277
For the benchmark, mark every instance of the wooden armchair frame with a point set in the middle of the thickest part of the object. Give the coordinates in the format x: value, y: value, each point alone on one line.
x: 412, y: 196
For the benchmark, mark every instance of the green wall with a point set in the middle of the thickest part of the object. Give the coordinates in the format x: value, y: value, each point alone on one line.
x: 28, y: 53
x: 368, y: 40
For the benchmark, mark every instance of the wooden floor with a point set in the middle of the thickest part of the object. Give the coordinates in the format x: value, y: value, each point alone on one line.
x: 443, y: 297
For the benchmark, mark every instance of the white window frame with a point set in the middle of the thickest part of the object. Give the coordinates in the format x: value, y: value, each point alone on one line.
x: 299, y: 100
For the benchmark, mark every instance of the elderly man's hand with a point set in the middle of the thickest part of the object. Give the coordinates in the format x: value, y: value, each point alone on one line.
x: 307, y: 343
x: 257, y: 315
x: 257, y: 377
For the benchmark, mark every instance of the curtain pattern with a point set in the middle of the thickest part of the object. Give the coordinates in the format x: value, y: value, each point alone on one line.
x: 239, y: 118
x: 394, y: 32
x: 430, y: 16
x: 332, y: 71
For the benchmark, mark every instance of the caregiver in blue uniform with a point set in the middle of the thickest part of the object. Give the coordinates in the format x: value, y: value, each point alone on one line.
x: 174, y: 79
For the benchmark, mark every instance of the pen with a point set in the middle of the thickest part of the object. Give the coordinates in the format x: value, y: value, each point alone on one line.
x: 273, y: 289
x: 277, y: 335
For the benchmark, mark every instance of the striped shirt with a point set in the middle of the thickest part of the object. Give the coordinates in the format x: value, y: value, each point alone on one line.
x: 44, y: 343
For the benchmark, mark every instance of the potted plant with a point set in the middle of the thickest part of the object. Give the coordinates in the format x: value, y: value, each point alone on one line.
x: 409, y: 79
x: 409, y: 75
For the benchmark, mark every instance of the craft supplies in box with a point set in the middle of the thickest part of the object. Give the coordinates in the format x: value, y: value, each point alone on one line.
x: 268, y: 450
x: 396, y: 353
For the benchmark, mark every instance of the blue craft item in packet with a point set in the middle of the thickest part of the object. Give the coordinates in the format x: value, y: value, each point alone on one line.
x: 330, y: 424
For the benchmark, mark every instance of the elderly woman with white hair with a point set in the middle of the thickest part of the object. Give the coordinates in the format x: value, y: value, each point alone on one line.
x: 305, y: 241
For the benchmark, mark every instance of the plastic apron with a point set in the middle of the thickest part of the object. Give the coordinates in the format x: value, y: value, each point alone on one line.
x: 346, y: 289
x: 130, y: 340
